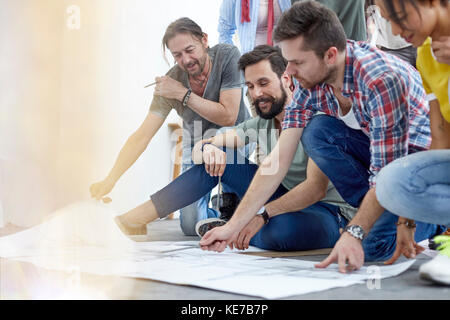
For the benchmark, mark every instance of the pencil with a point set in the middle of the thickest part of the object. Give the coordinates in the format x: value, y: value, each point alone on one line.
x: 149, y: 85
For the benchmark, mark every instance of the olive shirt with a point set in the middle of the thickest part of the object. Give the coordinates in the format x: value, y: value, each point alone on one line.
x: 225, y: 75
x: 351, y: 14
x: 264, y: 132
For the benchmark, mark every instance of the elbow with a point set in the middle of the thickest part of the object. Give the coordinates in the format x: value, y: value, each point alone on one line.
x: 229, y: 121
x: 322, y: 193
x: 320, y: 190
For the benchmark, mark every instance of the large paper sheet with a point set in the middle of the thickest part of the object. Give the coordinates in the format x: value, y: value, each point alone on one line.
x: 84, y: 235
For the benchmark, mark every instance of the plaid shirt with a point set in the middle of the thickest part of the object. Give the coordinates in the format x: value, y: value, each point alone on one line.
x: 388, y: 102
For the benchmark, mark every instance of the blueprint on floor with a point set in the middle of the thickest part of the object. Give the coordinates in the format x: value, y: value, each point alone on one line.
x: 84, y: 235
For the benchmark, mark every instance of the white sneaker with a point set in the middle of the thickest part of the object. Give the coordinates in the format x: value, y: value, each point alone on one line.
x: 438, y: 269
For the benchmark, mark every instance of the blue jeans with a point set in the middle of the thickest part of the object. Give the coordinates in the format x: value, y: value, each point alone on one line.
x: 312, y: 228
x: 417, y: 187
x: 199, y: 209
x: 343, y: 154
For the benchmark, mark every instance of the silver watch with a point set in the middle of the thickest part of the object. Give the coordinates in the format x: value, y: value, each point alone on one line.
x: 355, y: 231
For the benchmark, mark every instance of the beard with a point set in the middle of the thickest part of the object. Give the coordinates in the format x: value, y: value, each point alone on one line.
x: 329, y: 76
x: 201, y: 65
x: 277, y: 105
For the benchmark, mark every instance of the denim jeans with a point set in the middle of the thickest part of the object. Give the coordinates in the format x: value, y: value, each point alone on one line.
x: 343, y: 154
x: 417, y: 187
x: 199, y: 209
x: 312, y: 228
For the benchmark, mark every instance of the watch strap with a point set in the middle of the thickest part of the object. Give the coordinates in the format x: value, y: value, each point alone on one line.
x: 265, y: 216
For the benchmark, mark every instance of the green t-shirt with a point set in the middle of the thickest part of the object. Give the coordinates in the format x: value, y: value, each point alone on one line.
x: 351, y: 14
x: 264, y: 132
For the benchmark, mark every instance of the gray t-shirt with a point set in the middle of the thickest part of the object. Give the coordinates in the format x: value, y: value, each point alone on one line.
x: 265, y: 133
x: 225, y: 75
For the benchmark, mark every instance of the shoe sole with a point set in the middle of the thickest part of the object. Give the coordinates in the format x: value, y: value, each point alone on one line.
x: 211, y: 223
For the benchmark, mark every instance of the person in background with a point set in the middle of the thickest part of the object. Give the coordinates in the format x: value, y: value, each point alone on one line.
x: 253, y: 21
x: 380, y: 35
x: 417, y: 187
x: 351, y: 14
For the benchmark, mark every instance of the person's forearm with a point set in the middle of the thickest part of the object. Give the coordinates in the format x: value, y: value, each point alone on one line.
x: 369, y: 212
x: 262, y: 187
x: 302, y: 196
x: 440, y: 128
x: 228, y: 139
x: 128, y: 155
x: 213, y: 111
x: 268, y: 177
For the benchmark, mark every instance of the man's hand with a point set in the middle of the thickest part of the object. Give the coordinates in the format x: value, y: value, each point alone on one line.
x: 441, y: 49
x: 246, y: 234
x: 215, y: 160
x: 169, y: 88
x: 218, y: 238
x: 405, y: 244
x: 102, y: 188
x: 348, y: 252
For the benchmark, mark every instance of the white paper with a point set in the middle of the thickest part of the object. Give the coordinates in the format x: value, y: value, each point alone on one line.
x: 85, y: 236
x: 428, y: 252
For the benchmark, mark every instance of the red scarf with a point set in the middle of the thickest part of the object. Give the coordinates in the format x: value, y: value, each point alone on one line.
x: 245, y: 11
x: 245, y: 17
x: 270, y: 22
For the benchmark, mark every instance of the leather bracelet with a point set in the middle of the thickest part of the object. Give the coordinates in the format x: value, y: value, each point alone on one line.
x: 265, y: 216
x: 408, y: 224
x: 186, y: 97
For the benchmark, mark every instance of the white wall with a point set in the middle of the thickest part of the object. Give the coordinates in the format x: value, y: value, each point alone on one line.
x: 72, y: 96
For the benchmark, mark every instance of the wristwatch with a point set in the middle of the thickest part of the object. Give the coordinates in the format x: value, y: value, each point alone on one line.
x: 265, y: 216
x: 355, y: 231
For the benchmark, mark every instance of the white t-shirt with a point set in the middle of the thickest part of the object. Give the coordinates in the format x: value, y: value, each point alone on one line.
x: 349, y: 119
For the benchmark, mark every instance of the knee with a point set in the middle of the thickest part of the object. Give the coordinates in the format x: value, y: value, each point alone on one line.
x: 316, y: 132
x: 392, y: 180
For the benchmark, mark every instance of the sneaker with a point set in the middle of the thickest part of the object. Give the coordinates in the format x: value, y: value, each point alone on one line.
x: 130, y: 229
x: 228, y: 203
x: 438, y: 269
x: 203, y: 226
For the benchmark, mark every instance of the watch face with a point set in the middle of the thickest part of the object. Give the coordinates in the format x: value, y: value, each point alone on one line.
x: 355, y: 231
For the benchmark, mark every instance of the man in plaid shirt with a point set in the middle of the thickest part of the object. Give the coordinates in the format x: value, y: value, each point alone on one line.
x: 374, y: 112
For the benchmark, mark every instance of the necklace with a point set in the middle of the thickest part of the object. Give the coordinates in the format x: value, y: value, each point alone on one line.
x: 201, y: 84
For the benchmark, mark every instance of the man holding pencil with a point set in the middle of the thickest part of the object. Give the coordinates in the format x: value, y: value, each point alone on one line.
x: 205, y: 88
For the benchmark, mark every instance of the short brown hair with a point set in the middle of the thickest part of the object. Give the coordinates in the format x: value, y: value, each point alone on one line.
x: 264, y: 52
x: 319, y: 26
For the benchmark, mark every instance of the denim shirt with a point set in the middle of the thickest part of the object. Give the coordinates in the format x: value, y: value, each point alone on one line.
x: 230, y: 20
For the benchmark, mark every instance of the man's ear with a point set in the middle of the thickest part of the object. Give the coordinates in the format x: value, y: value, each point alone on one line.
x: 286, y: 81
x: 331, y: 56
x: 205, y: 40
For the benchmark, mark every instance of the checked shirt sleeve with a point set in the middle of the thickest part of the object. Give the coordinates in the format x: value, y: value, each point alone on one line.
x: 297, y: 115
x: 389, y: 125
